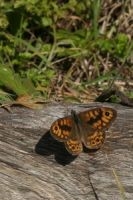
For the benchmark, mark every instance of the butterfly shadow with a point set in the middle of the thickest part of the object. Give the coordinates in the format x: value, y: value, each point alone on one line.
x: 47, y: 146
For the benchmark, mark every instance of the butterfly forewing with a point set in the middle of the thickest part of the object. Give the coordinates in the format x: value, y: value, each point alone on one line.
x: 108, y: 115
x: 61, y: 128
x: 98, y: 118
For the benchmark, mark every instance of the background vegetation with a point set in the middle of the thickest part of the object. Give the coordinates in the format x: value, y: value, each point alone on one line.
x: 64, y: 49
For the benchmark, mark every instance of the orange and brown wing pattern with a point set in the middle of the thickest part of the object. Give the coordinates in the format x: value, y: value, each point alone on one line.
x: 87, y: 127
x: 61, y: 129
x: 74, y: 146
x: 98, y: 118
x: 95, y: 140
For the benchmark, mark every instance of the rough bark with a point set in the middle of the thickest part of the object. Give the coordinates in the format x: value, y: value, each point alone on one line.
x: 35, y: 166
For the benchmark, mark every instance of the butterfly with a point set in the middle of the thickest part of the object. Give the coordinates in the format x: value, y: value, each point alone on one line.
x: 85, y: 128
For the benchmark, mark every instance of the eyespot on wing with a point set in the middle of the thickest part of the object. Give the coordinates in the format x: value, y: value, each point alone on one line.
x: 95, y: 140
x: 74, y: 146
x: 61, y: 129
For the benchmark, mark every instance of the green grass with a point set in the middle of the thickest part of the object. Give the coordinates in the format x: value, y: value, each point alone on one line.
x: 47, y: 46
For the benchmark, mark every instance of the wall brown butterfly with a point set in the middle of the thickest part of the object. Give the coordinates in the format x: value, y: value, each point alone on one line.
x: 87, y: 127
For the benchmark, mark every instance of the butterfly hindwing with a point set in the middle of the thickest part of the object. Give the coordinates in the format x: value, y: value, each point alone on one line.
x: 74, y: 146
x: 94, y: 140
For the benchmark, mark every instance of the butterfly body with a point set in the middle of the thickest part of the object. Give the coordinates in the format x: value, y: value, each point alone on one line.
x: 87, y: 127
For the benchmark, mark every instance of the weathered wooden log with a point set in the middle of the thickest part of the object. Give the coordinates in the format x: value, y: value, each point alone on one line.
x: 35, y: 166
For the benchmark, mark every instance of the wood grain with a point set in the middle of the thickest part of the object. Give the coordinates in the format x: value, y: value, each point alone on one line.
x: 35, y: 166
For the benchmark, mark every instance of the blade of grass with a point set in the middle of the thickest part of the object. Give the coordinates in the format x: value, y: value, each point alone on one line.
x: 11, y: 81
x: 96, y: 7
x: 117, y: 180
